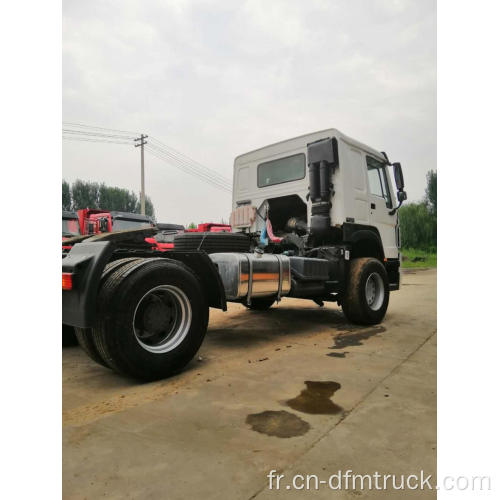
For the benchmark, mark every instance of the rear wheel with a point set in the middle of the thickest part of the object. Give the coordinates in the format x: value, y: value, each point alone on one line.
x: 85, y: 336
x: 86, y: 341
x: 261, y: 304
x: 367, y: 292
x: 151, y: 322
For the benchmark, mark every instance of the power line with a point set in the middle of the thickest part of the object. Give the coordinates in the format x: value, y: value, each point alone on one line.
x: 96, y: 134
x: 205, y: 175
x: 199, y: 175
x: 202, y: 171
x: 69, y: 138
x: 212, y: 181
x: 100, y: 128
x: 188, y: 159
x: 158, y: 149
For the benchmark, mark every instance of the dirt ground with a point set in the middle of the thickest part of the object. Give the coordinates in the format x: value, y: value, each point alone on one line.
x: 295, y: 389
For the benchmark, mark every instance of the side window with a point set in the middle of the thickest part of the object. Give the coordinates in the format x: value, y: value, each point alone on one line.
x: 377, y: 180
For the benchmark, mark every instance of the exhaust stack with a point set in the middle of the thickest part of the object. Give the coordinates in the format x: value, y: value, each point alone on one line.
x: 322, y: 157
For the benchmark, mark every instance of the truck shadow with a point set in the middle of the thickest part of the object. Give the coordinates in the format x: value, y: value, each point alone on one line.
x: 250, y: 328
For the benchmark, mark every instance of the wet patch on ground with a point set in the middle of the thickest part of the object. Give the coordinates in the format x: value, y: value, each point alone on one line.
x: 337, y: 354
x: 282, y: 424
x: 315, y: 399
x: 355, y: 337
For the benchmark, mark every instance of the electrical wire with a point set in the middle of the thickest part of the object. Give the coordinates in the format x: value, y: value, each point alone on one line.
x: 100, y: 128
x: 66, y: 138
x: 204, y: 172
x: 187, y: 170
x: 186, y: 158
x: 154, y: 146
x: 97, y: 134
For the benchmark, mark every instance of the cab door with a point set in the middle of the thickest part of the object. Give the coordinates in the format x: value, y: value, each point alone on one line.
x: 381, y: 201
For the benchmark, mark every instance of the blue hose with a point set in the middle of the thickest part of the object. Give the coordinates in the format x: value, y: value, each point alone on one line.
x: 263, y: 237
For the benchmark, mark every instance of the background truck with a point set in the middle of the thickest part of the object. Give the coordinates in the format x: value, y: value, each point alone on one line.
x: 70, y: 224
x: 314, y: 217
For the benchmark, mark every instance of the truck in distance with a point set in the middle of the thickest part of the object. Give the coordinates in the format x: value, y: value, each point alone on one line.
x: 314, y: 217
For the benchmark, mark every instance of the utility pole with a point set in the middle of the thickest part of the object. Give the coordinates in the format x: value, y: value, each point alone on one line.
x: 143, y: 196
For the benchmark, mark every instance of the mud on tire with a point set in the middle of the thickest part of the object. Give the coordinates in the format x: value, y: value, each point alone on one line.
x: 367, y: 292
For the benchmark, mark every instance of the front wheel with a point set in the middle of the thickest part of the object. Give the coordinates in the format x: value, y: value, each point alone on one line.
x: 152, y: 321
x: 367, y: 292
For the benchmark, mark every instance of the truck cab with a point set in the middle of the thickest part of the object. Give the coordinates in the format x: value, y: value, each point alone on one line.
x: 344, y: 199
x: 70, y: 224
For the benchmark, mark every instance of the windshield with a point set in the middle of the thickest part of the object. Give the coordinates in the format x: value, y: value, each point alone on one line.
x: 123, y: 224
x: 70, y: 227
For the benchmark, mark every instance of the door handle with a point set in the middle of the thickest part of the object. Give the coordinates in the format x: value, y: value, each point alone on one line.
x: 372, y: 206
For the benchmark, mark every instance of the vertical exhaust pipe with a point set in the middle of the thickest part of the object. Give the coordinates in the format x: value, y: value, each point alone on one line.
x: 322, y: 157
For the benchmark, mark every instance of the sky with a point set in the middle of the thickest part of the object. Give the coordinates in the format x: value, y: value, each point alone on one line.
x: 215, y: 79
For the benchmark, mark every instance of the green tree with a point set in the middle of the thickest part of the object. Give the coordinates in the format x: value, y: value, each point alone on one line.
x: 66, y: 196
x: 431, y: 191
x: 418, y: 221
x: 150, y: 209
x: 85, y: 194
x: 114, y: 198
x: 417, y: 227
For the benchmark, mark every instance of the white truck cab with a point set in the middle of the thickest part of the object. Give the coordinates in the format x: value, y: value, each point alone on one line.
x: 363, y: 192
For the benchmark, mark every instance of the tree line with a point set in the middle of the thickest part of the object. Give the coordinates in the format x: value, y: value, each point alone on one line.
x: 418, y: 221
x: 84, y: 194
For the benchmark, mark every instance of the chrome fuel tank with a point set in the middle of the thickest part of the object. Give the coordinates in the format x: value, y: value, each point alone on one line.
x: 249, y: 275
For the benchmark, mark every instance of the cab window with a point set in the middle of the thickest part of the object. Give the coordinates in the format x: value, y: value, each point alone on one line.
x: 291, y: 168
x: 377, y: 180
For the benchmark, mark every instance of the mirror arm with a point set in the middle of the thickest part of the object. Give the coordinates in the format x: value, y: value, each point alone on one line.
x: 394, y: 210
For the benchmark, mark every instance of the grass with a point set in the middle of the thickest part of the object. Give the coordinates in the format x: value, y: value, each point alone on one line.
x: 412, y: 256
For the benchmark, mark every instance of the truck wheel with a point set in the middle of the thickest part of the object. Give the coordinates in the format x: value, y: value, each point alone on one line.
x: 212, y: 242
x: 152, y: 320
x: 68, y: 336
x: 261, y: 304
x: 86, y: 341
x: 85, y: 336
x: 367, y: 294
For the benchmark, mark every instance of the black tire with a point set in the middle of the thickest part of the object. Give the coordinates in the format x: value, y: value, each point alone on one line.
x: 260, y: 304
x: 212, y: 242
x: 84, y: 336
x: 86, y: 341
x: 135, y: 311
x: 68, y: 336
x: 360, y: 304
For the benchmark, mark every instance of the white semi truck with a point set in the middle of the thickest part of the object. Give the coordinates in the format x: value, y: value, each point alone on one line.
x: 314, y: 217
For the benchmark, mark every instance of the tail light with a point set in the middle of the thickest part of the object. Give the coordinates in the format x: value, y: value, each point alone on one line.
x: 67, y: 281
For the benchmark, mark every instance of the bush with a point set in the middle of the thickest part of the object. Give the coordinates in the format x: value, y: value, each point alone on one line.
x: 418, y: 227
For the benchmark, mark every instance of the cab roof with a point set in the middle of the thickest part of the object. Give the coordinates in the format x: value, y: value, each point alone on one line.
x: 310, y: 137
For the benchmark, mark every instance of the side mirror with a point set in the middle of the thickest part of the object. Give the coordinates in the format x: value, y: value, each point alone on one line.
x: 398, y: 176
x: 401, y: 196
x: 400, y: 184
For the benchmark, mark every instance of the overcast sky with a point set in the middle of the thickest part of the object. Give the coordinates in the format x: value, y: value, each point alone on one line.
x: 214, y: 79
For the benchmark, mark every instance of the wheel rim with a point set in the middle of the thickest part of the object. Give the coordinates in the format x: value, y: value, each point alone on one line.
x: 162, y: 319
x: 374, y: 291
